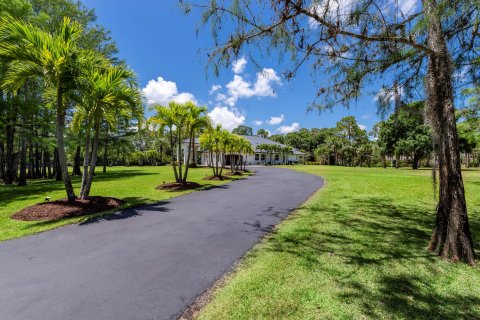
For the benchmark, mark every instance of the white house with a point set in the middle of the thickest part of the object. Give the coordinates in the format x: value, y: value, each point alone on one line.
x: 202, y: 157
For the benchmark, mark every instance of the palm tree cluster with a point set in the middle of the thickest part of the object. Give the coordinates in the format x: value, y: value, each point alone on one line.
x: 219, y: 143
x: 274, y: 149
x: 70, y: 78
x: 181, y: 122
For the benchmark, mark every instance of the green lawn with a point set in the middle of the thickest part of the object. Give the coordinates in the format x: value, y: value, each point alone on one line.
x: 135, y: 185
x: 356, y: 250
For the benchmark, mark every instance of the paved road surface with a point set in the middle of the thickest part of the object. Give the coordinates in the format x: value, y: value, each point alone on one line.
x: 149, y: 262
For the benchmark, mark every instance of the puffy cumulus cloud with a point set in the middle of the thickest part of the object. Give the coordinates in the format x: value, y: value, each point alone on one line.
x: 239, y: 65
x: 287, y: 129
x: 214, y: 89
x: 229, y: 118
x: 257, y: 122
x: 362, y: 126
x: 276, y: 120
x: 161, y: 91
x: 240, y: 88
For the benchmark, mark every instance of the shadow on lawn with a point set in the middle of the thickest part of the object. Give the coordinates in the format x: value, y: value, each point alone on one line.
x: 373, y: 235
x: 407, y: 296
x: 43, y: 188
x: 372, y: 231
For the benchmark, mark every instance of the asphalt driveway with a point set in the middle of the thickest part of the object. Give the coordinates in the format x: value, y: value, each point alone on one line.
x: 149, y: 262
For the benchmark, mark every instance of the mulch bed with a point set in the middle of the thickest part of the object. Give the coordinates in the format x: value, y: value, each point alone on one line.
x: 236, y: 173
x: 58, y: 209
x: 224, y: 177
x: 178, y: 186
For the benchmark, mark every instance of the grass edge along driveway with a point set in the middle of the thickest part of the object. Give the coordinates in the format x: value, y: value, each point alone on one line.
x: 355, y: 250
x: 134, y: 185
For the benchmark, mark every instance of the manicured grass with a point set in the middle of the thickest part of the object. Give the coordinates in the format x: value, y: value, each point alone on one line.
x: 356, y: 250
x: 135, y: 185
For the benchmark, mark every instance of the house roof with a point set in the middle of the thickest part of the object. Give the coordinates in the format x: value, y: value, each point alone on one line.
x: 255, y: 141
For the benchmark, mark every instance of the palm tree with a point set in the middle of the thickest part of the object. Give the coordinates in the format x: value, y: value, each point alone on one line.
x: 246, y: 148
x: 207, y: 144
x: 107, y: 94
x: 173, y: 118
x: 263, y: 147
x: 286, y: 150
x: 32, y: 52
x: 196, y: 120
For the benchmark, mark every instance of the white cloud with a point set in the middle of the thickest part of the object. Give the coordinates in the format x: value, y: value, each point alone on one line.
x: 183, y: 97
x: 331, y: 10
x: 257, y: 122
x: 239, y: 65
x: 362, y: 126
x: 214, y: 88
x: 161, y: 92
x: 276, y: 120
x: 407, y: 5
x: 229, y: 118
x: 387, y: 94
x: 263, y: 87
x: 287, y: 129
x: 366, y: 116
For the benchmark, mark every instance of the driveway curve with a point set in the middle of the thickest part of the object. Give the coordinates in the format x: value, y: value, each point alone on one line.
x: 148, y: 262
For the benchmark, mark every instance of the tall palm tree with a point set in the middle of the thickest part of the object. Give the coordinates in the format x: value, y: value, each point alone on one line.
x: 263, y: 147
x: 196, y: 120
x: 107, y: 94
x: 32, y: 52
x: 246, y: 148
x: 172, y: 118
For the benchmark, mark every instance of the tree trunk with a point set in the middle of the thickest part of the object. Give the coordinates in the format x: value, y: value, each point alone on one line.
x: 187, y: 164
x: 62, y: 157
x: 415, y: 161
x: 48, y: 163
x: 56, y: 166
x: 76, y: 163
x: 93, y: 162
x: 161, y: 153
x: 86, y: 162
x: 22, y: 180
x: 451, y: 238
x: 37, y: 162
x: 172, y: 148
x: 2, y: 160
x: 105, y: 151
x: 179, y: 155
x: 9, y: 156
x: 31, y: 172
x: 16, y: 158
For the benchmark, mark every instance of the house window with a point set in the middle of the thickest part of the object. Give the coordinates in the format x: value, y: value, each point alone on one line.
x: 277, y: 157
x: 257, y: 156
x: 263, y: 157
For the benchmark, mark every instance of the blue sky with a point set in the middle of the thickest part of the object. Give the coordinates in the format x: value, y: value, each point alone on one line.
x: 160, y: 43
